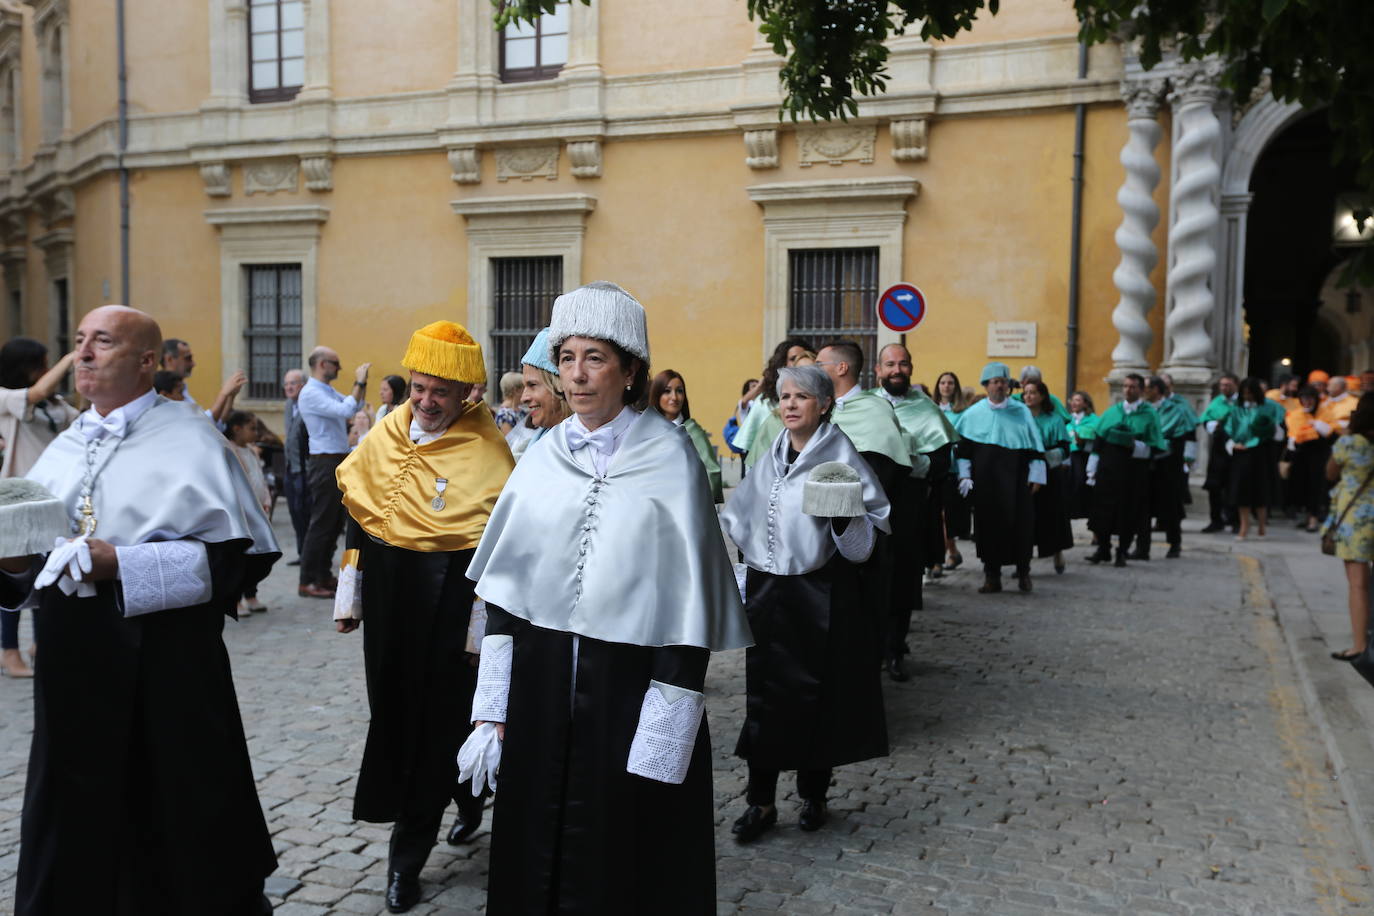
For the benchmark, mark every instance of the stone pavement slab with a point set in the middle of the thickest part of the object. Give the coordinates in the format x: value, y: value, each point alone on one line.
x: 1157, y: 739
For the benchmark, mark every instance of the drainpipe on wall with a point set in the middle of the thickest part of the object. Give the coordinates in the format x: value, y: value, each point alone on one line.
x: 123, y: 147
x: 1076, y: 232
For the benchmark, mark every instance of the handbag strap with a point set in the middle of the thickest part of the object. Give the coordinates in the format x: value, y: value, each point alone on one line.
x: 1356, y: 498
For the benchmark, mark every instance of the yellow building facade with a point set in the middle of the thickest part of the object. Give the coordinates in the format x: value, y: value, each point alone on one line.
x: 341, y: 172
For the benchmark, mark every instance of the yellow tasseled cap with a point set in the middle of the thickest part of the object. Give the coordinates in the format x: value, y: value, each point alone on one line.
x: 445, y: 349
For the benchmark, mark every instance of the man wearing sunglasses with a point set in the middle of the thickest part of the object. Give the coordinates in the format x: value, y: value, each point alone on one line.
x: 326, y: 414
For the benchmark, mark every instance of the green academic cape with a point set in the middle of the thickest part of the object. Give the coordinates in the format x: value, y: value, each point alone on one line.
x: 701, y: 440
x: 925, y: 424
x: 1081, y: 430
x: 1120, y: 428
x: 1176, y: 418
x: 871, y: 424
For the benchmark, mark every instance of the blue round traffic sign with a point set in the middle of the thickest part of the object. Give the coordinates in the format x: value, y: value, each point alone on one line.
x: 901, y: 307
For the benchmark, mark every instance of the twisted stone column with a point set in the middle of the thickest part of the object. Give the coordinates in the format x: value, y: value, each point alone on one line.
x: 1193, y: 198
x: 1139, y: 217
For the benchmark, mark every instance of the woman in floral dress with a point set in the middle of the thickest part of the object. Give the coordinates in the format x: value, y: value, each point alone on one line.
x: 1352, y: 462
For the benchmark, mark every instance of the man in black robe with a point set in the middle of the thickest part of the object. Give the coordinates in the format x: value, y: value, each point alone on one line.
x: 1218, y: 480
x: 418, y: 490
x: 1001, y: 464
x: 137, y: 736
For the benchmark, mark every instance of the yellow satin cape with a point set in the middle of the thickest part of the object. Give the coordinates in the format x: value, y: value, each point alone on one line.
x: 388, y: 482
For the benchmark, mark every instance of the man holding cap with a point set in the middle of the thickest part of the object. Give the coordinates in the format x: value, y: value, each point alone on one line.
x: 1000, y: 450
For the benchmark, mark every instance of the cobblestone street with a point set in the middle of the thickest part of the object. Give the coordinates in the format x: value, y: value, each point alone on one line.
x: 1120, y: 741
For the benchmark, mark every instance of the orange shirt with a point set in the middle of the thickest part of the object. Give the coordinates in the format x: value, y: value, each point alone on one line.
x: 1337, y: 411
x: 1300, y: 428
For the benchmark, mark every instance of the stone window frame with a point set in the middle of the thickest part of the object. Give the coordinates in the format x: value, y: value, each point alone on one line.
x: 519, y: 227
x: 844, y: 213
x: 59, y: 264
x: 11, y: 88
x: 51, y: 19
x: 230, y: 60
x: 540, y: 70
x: 280, y: 92
x: 265, y: 235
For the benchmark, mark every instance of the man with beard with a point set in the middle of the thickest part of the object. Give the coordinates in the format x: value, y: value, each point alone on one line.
x: 918, y: 539
x: 1128, y: 436
x: 418, y: 491
x: 1000, y: 450
x: 1213, y: 420
x: 1178, y: 424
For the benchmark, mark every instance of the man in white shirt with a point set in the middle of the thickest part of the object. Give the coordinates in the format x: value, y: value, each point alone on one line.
x: 326, y: 414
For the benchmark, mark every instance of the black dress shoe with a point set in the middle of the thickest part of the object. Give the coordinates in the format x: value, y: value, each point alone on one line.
x: 1120, y: 559
x: 1213, y: 528
x: 1174, y: 553
x: 991, y: 585
x: 295, y: 562
x: 1101, y: 555
x: 754, y: 823
x: 1023, y: 582
x: 896, y: 669
x: 1138, y: 555
x: 402, y: 892
x: 813, y: 816
x: 465, y: 824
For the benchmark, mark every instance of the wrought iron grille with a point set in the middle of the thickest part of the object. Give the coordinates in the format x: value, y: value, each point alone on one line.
x: 523, y: 290
x: 272, y: 335
x: 832, y: 293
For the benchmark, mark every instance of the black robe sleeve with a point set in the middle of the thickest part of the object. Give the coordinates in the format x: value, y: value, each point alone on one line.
x: 681, y: 666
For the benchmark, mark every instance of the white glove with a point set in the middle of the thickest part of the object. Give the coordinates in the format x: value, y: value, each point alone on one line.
x: 493, y: 679
x: 348, y: 597
x: 1230, y: 446
x: 1211, y: 427
x: 1280, y: 434
x: 479, y: 759
x: 1092, y: 480
x: 69, y: 561
x: 1322, y: 427
x: 965, y: 486
x: 1139, y: 449
x: 1190, y: 450
x: 1035, y: 472
x: 667, y: 732
x: 1187, y: 468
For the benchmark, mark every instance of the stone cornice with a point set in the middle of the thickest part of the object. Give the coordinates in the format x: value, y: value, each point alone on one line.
x: 895, y: 189
x: 257, y: 216
x: 544, y: 203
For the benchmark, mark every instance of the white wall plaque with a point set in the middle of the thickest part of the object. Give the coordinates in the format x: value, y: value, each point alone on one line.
x: 1011, y: 338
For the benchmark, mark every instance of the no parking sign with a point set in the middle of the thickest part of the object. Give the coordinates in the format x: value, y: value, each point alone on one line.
x: 901, y: 307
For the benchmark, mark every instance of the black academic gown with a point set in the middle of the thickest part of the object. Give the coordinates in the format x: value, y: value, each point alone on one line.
x: 1168, y: 490
x: 574, y: 832
x: 140, y: 798
x: 814, y: 698
x: 1121, y: 496
x: 420, y: 679
x: 1053, y: 530
x: 1003, y: 508
x: 938, y: 489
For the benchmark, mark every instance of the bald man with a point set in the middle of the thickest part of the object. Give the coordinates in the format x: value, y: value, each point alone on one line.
x: 325, y: 413
x: 137, y: 737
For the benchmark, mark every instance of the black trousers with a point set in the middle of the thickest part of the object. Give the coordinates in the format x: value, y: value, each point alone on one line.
x: 812, y: 785
x: 326, y: 520
x: 906, y: 561
x: 297, y: 492
x: 255, y: 569
x: 414, y: 837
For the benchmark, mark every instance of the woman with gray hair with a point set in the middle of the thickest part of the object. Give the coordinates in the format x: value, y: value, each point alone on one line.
x: 804, y: 519
x: 611, y: 587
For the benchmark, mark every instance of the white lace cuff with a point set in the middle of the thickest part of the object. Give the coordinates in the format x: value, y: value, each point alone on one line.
x: 162, y: 575
x: 348, y: 597
x: 1036, y: 472
x: 493, y: 679
x: 1190, y: 451
x: 1093, y: 459
x: 1140, y: 449
x: 965, y: 468
x: 667, y: 732
x: 856, y: 543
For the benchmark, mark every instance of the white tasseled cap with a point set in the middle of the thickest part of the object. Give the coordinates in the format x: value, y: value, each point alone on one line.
x: 833, y: 490
x: 601, y: 310
x: 31, y: 518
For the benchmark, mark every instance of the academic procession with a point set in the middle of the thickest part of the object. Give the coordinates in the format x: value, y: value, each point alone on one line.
x: 456, y: 465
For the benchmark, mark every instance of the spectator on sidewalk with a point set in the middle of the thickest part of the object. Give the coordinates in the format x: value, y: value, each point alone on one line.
x: 509, y: 413
x: 294, y: 486
x: 241, y: 429
x: 326, y: 414
x: 668, y: 395
x: 1351, y: 522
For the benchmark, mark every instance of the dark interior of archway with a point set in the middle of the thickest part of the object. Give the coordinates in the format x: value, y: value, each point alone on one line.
x: 1288, y: 251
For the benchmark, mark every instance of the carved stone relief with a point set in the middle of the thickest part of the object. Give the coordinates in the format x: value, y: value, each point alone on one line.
x: 215, y: 175
x: 466, y: 164
x: 836, y: 145
x: 319, y: 172
x: 527, y: 162
x: 585, y: 156
x: 761, y: 148
x: 909, y: 140
x: 270, y: 177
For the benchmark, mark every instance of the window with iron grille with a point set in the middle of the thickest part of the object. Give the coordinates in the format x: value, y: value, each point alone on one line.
x: 276, y: 49
x: 831, y: 293
x: 272, y: 335
x: 523, y: 290
x: 535, y: 51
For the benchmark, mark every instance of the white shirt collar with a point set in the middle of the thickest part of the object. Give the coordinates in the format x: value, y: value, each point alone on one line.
x: 1130, y: 407
x: 117, y: 422
x: 677, y: 420
x: 998, y: 406
x: 419, y: 436
x: 840, y: 398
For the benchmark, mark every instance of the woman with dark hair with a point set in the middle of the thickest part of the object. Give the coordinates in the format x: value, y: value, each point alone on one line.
x: 1053, y: 532
x: 805, y: 521
x: 1309, y: 445
x: 1250, y: 428
x: 31, y: 416
x: 607, y: 587
x: 241, y: 429
x: 762, y: 425
x: 668, y: 395
x: 1082, y: 430
x: 1351, y: 522
x: 949, y: 396
x: 393, y: 394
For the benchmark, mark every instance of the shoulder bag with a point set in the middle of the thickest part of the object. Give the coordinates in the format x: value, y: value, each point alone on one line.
x: 1329, y: 538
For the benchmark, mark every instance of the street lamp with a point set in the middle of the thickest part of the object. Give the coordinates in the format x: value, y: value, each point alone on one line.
x: 1354, y: 220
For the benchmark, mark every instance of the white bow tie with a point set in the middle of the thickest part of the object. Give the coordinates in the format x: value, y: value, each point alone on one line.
x: 601, y: 439
x: 94, y: 426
